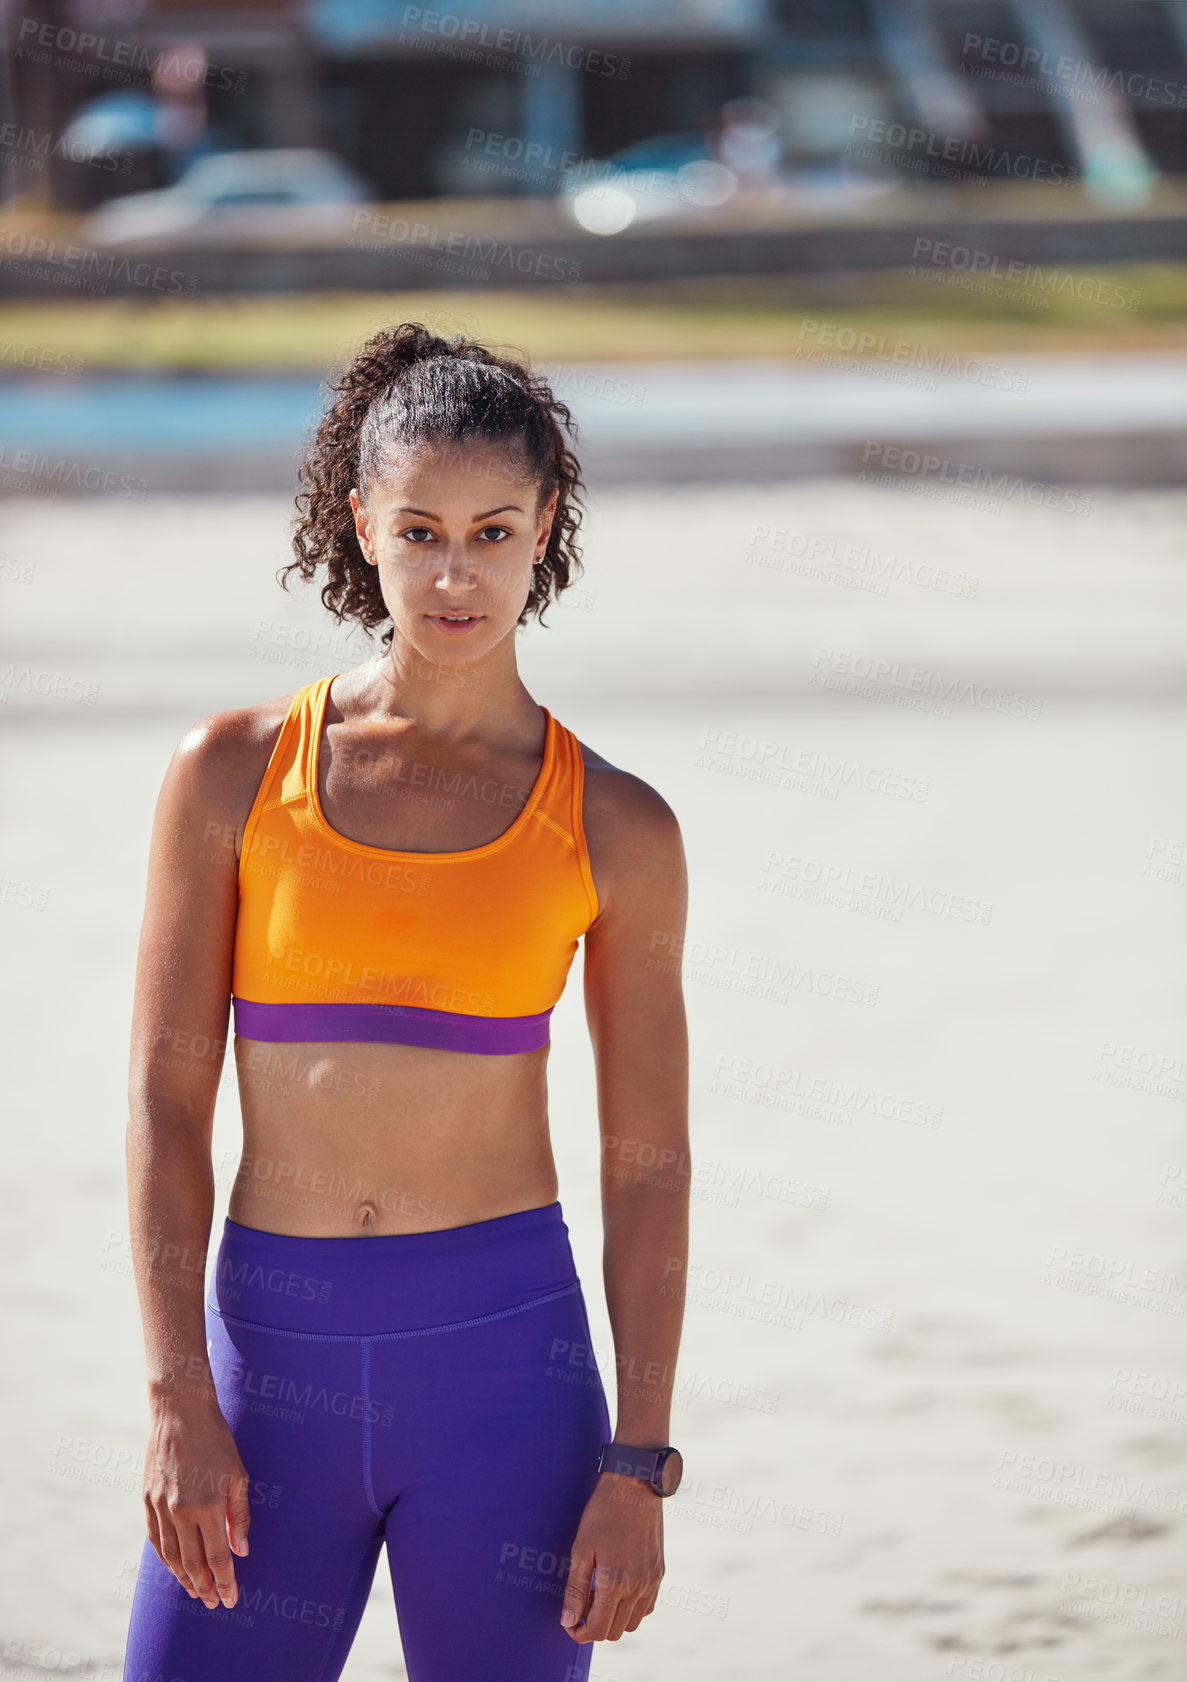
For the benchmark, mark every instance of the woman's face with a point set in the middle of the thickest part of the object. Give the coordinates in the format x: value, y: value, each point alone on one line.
x: 453, y: 530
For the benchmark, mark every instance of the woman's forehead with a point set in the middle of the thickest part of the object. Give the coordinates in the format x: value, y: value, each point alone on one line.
x: 456, y: 474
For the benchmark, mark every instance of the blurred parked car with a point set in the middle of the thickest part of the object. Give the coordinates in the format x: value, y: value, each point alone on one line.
x: 675, y: 174
x: 238, y: 198
x: 662, y: 176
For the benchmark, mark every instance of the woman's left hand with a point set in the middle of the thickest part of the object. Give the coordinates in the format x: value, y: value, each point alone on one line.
x: 622, y: 1534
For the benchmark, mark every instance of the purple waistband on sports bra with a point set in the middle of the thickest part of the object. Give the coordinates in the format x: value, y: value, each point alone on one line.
x: 441, y: 1030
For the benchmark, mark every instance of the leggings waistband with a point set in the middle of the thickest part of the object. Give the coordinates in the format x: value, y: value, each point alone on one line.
x: 392, y: 1282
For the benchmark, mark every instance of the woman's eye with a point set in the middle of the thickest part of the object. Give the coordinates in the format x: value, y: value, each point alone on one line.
x: 418, y: 535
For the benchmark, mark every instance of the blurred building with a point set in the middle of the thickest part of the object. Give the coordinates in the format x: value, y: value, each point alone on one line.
x: 1094, y: 88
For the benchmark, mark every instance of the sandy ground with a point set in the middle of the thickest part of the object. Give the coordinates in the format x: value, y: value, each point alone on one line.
x: 933, y: 1381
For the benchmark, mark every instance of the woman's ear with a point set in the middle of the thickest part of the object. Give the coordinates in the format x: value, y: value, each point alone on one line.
x: 362, y: 525
x: 547, y: 516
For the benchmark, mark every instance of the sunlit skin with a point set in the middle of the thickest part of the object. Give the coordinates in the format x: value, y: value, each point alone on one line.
x: 444, y: 538
x: 406, y: 1138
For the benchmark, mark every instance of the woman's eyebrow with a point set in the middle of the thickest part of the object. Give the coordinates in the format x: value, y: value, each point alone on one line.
x: 503, y: 509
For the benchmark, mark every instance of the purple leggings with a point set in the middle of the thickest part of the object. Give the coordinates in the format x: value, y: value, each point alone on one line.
x: 431, y: 1390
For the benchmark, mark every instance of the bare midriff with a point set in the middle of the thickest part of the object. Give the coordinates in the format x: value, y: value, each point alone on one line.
x: 349, y: 1138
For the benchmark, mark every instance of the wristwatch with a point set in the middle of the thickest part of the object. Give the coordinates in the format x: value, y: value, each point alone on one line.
x: 661, y: 1468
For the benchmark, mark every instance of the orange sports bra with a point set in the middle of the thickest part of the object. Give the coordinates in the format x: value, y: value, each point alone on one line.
x: 465, y: 951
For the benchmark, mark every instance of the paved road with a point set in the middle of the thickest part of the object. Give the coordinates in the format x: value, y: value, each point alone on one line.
x: 927, y: 759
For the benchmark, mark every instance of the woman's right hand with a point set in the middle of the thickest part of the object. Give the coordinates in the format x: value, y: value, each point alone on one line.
x: 196, y: 1498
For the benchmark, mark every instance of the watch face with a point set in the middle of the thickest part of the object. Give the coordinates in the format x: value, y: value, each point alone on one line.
x: 671, y: 1472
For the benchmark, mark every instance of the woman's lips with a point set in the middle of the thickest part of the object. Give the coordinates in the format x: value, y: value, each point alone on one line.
x: 455, y: 627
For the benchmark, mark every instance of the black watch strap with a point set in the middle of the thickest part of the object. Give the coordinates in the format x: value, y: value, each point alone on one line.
x: 656, y: 1466
x: 630, y: 1462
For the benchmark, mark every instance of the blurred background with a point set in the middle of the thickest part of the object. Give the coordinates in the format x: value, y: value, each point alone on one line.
x: 872, y: 319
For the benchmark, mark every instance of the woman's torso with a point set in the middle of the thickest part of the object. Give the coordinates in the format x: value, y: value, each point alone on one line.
x: 442, y: 895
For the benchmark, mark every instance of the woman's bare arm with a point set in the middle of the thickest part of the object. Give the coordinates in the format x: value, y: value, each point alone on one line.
x: 635, y: 1009
x: 195, y: 1485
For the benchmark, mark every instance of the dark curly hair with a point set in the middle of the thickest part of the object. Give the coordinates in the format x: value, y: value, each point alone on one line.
x: 408, y: 386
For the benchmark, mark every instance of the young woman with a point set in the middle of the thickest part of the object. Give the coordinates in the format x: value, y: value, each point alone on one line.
x: 388, y: 873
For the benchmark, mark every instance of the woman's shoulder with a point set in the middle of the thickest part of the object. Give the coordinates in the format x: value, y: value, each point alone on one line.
x: 614, y: 793
x: 220, y: 761
x: 630, y: 830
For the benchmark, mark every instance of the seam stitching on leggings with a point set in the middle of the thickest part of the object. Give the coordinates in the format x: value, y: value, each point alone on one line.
x: 415, y: 1331
x: 368, y: 1480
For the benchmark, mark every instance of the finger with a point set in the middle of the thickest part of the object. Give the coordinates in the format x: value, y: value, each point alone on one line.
x: 577, y: 1592
x: 193, y: 1559
x: 644, y: 1605
x: 621, y: 1618
x: 170, y: 1551
x: 153, y: 1528
x: 651, y: 1598
x: 238, y: 1515
x: 603, y: 1611
x: 164, y: 1541
x: 213, y: 1530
